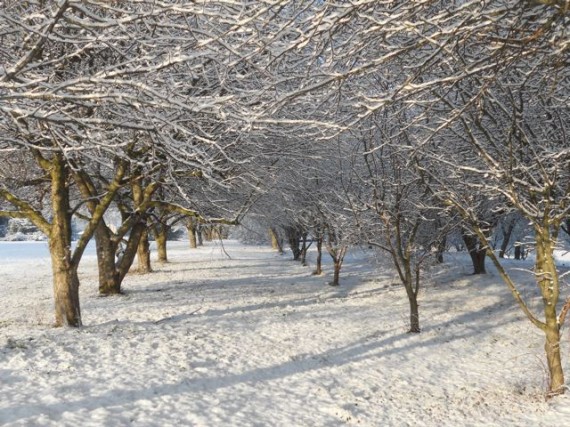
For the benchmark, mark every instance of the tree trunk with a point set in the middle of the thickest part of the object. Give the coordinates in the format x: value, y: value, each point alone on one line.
x: 106, y: 253
x: 294, y: 242
x: 192, y: 235
x: 304, y: 249
x: 337, y: 251
x: 275, y: 241
x: 553, y: 358
x: 519, y: 248
x: 143, y: 254
x: 441, y: 244
x: 319, y: 266
x: 208, y: 233
x: 549, y: 284
x: 114, y: 264
x: 404, y: 266
x: 414, y: 313
x: 336, y: 273
x: 65, y: 278
x: 506, y: 238
x: 412, y: 291
x: 200, y: 235
x: 477, y: 252
x: 478, y: 259
x: 161, y: 237
x: 65, y: 286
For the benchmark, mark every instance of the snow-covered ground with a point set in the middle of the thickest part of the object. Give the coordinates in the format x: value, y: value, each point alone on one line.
x: 256, y: 340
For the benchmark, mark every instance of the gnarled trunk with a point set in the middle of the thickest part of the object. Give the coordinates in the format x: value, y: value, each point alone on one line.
x: 113, y: 263
x: 553, y: 359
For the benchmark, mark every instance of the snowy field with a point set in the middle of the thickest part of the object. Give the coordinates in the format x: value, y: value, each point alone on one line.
x: 255, y: 340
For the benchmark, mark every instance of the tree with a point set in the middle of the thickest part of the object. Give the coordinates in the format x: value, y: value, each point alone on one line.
x: 392, y: 204
x: 58, y: 229
x: 80, y: 82
x: 519, y: 135
x: 486, y: 78
x: 507, y: 226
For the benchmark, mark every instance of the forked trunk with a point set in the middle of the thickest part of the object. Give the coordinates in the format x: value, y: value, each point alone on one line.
x: 337, y: 254
x: 113, y: 263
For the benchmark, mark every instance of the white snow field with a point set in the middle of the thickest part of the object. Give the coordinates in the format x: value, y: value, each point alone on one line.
x: 256, y: 340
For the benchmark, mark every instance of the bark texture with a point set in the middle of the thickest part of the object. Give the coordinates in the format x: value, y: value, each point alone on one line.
x: 65, y: 278
x: 143, y: 254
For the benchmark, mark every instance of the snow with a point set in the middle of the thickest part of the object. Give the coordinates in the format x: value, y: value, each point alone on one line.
x: 256, y: 340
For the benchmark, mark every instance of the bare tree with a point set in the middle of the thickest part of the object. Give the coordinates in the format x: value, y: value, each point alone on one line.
x: 519, y: 135
x: 80, y: 81
x: 392, y: 204
x: 484, y: 78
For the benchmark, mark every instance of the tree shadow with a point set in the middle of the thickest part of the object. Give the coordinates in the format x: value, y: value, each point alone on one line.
x: 375, y: 347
